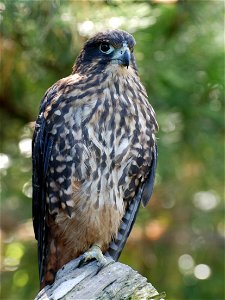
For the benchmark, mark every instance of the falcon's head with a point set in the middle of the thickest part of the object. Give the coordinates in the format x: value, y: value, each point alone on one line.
x: 110, y: 48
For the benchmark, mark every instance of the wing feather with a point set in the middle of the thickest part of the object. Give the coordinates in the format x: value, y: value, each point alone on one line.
x: 143, y: 195
x: 41, y: 150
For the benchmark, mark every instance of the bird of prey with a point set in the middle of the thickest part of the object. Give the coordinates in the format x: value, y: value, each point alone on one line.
x: 94, y: 156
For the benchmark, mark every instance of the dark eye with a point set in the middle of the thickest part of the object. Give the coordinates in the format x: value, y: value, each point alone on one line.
x: 106, y: 48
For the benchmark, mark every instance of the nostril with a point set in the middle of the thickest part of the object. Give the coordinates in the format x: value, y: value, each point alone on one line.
x: 121, y: 52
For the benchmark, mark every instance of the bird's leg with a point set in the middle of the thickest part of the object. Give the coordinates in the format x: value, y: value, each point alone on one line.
x: 95, y: 252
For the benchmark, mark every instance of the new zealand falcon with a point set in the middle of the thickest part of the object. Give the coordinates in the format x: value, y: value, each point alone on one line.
x: 94, y: 156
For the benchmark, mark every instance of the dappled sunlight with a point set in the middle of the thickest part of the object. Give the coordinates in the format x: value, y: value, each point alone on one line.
x: 13, y: 255
x: 188, y: 267
x: 25, y: 147
x: 177, y: 241
x: 120, y: 17
x: 20, y: 278
x: 27, y: 189
x: 165, y: 1
x: 171, y: 126
x: 155, y: 229
x: 186, y: 264
x: 206, y: 200
x: 202, y: 271
x: 171, y: 122
x: 4, y: 161
x: 86, y: 28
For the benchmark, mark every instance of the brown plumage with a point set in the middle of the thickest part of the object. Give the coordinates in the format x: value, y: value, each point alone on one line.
x: 94, y: 155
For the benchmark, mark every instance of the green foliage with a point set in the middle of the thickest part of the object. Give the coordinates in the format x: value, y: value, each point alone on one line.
x: 177, y: 242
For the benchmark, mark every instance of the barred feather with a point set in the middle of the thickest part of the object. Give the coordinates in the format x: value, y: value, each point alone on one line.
x: 94, y: 157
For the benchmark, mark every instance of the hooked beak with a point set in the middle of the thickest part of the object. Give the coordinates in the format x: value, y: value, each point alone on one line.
x: 122, y: 56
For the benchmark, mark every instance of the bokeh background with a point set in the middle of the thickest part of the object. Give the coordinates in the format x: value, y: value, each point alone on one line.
x: 178, y: 240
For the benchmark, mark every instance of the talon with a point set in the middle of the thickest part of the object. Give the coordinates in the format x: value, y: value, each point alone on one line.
x: 95, y: 252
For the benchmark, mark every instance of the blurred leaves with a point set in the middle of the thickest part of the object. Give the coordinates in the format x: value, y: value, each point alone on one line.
x: 178, y: 240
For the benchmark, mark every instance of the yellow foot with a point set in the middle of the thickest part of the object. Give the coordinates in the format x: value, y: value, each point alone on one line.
x: 95, y: 252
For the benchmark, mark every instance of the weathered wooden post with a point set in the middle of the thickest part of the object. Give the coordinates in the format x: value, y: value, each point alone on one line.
x: 88, y: 281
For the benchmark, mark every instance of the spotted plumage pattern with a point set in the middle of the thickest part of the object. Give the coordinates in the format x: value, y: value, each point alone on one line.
x: 94, y: 155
